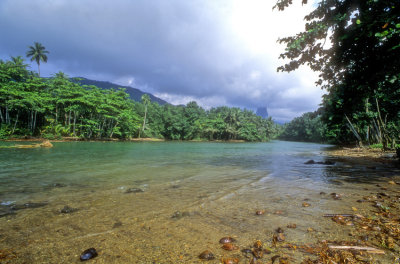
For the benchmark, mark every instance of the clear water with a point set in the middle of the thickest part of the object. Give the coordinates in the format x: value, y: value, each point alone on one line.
x: 218, y: 187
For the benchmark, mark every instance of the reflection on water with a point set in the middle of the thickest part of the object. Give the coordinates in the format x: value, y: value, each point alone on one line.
x: 193, y: 194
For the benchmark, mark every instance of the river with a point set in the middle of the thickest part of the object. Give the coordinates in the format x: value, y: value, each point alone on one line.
x: 166, y: 202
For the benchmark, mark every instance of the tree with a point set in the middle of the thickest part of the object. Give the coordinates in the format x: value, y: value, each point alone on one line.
x: 37, y: 53
x: 145, y: 100
x: 353, y: 44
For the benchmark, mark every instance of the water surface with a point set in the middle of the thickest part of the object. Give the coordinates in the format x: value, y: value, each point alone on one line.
x: 193, y: 194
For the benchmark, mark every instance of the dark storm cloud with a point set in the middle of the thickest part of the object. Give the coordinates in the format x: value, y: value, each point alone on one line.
x: 181, y: 50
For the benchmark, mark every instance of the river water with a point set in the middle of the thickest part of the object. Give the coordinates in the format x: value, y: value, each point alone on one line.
x: 166, y: 202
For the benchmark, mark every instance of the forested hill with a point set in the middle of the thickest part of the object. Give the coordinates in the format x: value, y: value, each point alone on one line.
x: 135, y: 94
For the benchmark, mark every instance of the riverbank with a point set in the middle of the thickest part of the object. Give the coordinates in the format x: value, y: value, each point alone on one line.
x: 366, y: 154
x: 74, y: 139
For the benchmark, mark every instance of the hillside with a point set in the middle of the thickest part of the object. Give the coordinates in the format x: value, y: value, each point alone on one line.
x: 135, y: 94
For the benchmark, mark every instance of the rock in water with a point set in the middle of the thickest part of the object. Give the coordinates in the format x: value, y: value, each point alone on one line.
x: 179, y: 214
x: 207, y: 255
x: 225, y: 240
x: 229, y: 246
x: 88, y: 254
x: 28, y: 206
x: 134, y: 190
x: 68, y: 210
x: 46, y: 144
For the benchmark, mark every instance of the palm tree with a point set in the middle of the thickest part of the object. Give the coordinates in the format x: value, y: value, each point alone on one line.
x: 18, y: 61
x: 37, y: 53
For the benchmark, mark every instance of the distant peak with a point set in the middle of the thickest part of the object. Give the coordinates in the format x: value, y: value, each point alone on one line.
x: 262, y: 111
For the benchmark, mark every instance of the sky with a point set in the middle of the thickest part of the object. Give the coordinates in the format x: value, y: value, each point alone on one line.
x: 214, y: 52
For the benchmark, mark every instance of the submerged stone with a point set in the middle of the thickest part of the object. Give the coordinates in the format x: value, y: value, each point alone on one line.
x: 225, y: 240
x: 327, y: 162
x: 4, y: 211
x: 230, y: 261
x: 117, y: 224
x: 179, y: 214
x: 58, y: 185
x: 260, y: 212
x: 46, y: 144
x: 28, y: 206
x: 88, y: 254
x: 134, y: 190
x: 207, y: 255
x: 67, y: 210
x: 230, y: 247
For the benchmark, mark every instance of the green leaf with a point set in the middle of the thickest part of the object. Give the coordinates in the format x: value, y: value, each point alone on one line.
x: 397, y: 25
x: 393, y: 79
x: 358, y: 21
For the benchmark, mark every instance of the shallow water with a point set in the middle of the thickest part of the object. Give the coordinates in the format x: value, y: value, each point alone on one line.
x: 217, y: 188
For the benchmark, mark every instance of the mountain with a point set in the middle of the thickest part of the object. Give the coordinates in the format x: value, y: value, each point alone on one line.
x: 135, y: 94
x: 262, y: 111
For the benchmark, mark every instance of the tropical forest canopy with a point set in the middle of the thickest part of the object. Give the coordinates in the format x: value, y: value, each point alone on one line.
x: 58, y: 107
x: 355, y: 46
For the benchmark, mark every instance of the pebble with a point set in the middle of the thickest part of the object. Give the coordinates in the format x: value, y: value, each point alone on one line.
x: 134, y: 190
x: 207, y: 255
x: 225, y: 240
x: 179, y: 214
x: 291, y: 226
x: 230, y: 261
x: 260, y: 212
x: 279, y: 237
x: 229, y: 246
x: 88, y: 254
x: 68, y: 210
x: 258, y: 244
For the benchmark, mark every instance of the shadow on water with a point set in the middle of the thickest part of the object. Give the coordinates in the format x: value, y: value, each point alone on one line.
x: 358, y: 170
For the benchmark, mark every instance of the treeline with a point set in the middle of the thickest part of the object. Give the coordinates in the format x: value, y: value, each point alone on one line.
x: 308, y: 128
x: 57, y: 107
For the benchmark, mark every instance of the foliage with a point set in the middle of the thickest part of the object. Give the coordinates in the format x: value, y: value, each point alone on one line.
x: 57, y: 107
x: 354, y: 45
x: 308, y: 128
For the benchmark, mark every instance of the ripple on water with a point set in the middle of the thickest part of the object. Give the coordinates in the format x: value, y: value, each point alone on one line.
x: 219, y: 187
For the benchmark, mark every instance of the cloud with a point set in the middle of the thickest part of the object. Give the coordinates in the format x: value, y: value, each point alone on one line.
x: 221, y: 52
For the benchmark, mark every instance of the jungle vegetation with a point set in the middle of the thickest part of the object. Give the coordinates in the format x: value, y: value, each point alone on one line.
x: 355, y: 46
x: 56, y: 107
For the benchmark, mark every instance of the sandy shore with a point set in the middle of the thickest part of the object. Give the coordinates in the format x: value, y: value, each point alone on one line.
x: 366, y: 154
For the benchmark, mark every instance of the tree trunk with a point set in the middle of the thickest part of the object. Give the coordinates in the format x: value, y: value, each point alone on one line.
x: 30, y: 124
x: 56, y: 114
x: 34, y: 123
x: 7, y: 116
x: 1, y: 116
x: 112, y: 130
x: 69, y: 119
x: 145, y: 116
x: 15, y: 124
x: 74, y: 122
x: 144, y: 120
